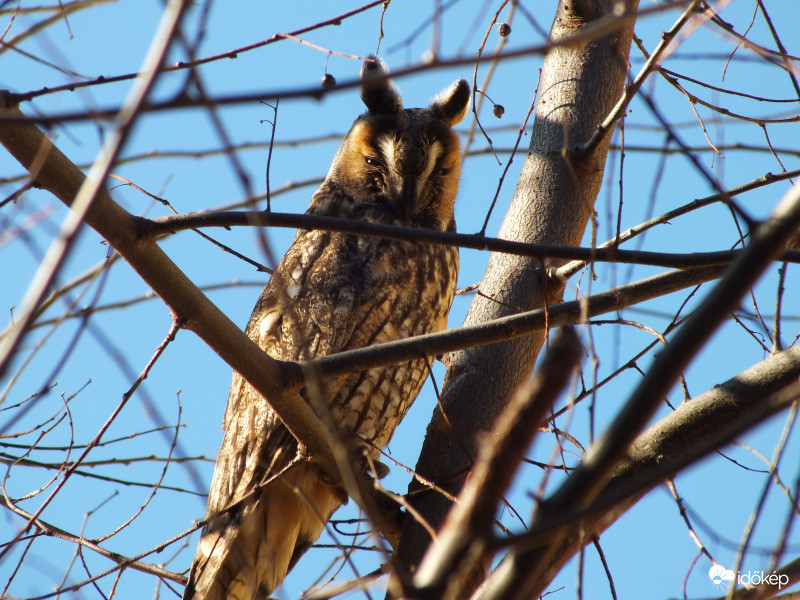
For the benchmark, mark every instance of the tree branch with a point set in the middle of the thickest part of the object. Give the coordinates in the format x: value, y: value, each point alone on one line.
x: 552, y: 203
x: 695, y: 429
x: 70, y: 87
x: 120, y: 560
x: 151, y: 228
x: 460, y: 551
x: 592, y: 475
x: 515, y: 326
x: 54, y: 172
x: 605, y: 26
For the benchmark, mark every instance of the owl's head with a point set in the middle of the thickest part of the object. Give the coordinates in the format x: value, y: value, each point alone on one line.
x: 406, y: 161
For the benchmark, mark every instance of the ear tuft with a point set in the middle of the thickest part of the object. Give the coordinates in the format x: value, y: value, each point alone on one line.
x: 451, y: 105
x: 377, y: 90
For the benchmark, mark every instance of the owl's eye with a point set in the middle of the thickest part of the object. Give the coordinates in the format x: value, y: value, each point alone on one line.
x: 372, y: 161
x: 442, y: 171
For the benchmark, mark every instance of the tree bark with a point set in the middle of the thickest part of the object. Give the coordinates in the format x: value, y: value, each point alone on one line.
x: 51, y: 170
x: 695, y: 429
x: 551, y: 205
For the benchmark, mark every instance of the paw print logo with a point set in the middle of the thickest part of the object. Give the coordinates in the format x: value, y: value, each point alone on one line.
x: 720, y: 576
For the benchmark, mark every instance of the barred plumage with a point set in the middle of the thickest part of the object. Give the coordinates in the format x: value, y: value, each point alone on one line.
x: 333, y: 292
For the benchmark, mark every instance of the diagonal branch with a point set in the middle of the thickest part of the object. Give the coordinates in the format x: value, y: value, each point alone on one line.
x: 523, y: 567
x: 182, y: 65
x: 515, y: 326
x: 85, y: 195
x: 448, y: 569
x: 54, y: 172
x: 695, y: 429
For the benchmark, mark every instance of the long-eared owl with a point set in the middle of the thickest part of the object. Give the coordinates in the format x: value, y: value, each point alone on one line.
x: 333, y: 292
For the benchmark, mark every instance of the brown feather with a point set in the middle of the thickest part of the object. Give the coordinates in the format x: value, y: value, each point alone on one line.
x: 333, y: 292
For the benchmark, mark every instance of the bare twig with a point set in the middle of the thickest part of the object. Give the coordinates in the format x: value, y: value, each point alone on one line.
x: 201, y: 61
x: 68, y: 471
x: 150, y: 228
x: 120, y: 560
x: 585, y: 483
x: 571, y: 268
x: 599, y: 28
x: 607, y: 126
x: 459, y: 554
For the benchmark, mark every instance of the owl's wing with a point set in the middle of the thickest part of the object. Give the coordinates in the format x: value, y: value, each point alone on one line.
x: 315, y: 298
x: 313, y: 302
x: 310, y: 307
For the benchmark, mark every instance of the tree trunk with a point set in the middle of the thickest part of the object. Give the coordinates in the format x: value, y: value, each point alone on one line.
x: 552, y: 204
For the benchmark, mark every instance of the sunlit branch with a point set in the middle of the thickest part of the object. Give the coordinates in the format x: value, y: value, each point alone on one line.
x: 82, y: 201
x: 586, y: 482
x: 607, y: 126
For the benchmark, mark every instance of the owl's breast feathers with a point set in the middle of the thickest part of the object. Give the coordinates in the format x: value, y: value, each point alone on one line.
x: 334, y: 291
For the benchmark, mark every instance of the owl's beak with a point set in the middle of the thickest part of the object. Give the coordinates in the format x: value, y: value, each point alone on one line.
x: 403, y: 198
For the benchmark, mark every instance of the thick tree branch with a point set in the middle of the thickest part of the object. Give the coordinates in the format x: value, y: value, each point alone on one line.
x: 524, y: 567
x: 492, y: 355
x: 56, y: 173
x: 449, y: 566
x: 606, y: 127
x: 552, y: 203
x: 707, y: 423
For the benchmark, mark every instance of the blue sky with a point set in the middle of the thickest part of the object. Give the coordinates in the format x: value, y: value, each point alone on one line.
x: 649, y: 550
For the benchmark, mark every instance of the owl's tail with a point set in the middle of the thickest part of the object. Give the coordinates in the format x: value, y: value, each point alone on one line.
x: 245, y: 553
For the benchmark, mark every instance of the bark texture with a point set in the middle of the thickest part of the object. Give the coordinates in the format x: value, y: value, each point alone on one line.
x: 552, y: 204
x: 694, y: 430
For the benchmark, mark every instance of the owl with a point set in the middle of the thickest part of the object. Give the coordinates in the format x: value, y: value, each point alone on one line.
x: 333, y: 292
